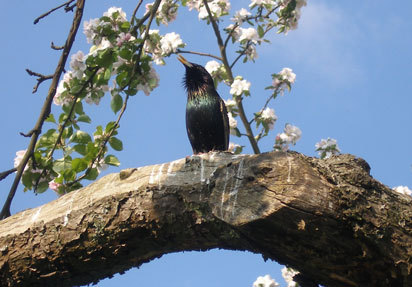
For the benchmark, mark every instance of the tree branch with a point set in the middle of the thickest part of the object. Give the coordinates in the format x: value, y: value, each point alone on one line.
x: 327, y: 218
x: 54, y: 9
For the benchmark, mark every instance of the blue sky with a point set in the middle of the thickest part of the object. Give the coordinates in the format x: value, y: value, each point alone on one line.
x: 353, y: 63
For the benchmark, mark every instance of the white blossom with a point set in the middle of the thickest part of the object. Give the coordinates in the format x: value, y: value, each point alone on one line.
x: 218, y: 8
x: 170, y: 43
x: 291, y: 134
x: 230, y: 104
x: 235, y: 148
x: 403, y: 190
x: 78, y: 65
x: 121, y: 17
x: 212, y: 67
x: 288, y: 274
x: 89, y: 29
x: 284, y: 79
x: 166, y: 13
x: 265, y: 281
x: 249, y: 34
x: 152, y: 45
x: 149, y: 81
x: 260, y: 2
x: 239, y: 86
x: 327, y: 148
x: 268, y: 116
x: 241, y: 15
x: 103, y: 45
x: 232, y: 123
x: 235, y: 33
x: 194, y: 4
x: 62, y: 97
x: 100, y: 166
x: 289, y: 21
x: 288, y: 75
x: 251, y: 53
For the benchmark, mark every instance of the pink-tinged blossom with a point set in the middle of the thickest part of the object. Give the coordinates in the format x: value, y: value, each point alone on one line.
x: 288, y: 274
x: 19, y: 156
x: 290, y: 20
x: 124, y: 37
x: 403, y: 190
x: 239, y: 86
x: 265, y: 281
x: 194, y: 4
x: 283, y: 80
x: 166, y: 13
x: 54, y: 186
x: 251, y: 53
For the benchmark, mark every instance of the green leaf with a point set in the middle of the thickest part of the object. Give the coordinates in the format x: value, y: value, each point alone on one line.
x: 112, y: 160
x: 78, y: 108
x: 27, y: 180
x: 116, y: 144
x: 42, y: 187
x: 84, y: 118
x: 116, y: 103
x: 81, y: 137
x: 260, y: 31
x: 67, y: 132
x: 51, y: 118
x: 69, y: 175
x: 80, y: 148
x: 62, y: 165
x: 79, y: 164
x: 92, y: 174
x: 75, y: 89
x: 107, y: 74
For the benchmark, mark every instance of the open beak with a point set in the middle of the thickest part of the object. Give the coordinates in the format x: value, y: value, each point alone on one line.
x: 184, y: 61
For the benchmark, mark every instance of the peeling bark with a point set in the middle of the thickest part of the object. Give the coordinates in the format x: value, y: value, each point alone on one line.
x: 327, y: 218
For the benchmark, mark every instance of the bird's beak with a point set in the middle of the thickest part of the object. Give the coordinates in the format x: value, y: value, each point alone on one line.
x: 184, y: 61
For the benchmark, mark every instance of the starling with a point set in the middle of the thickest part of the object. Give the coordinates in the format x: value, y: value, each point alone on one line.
x: 207, y: 123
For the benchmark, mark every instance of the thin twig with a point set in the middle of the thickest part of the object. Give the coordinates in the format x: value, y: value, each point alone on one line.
x: 199, y: 53
x: 54, y: 47
x: 45, y: 111
x: 52, y: 10
x: 40, y: 79
x: 4, y: 174
x: 238, y: 100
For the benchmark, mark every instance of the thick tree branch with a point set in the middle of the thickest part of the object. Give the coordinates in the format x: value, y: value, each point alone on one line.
x: 327, y: 218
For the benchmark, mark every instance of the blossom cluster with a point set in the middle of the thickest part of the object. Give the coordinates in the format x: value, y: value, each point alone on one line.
x: 162, y: 46
x: 218, y: 8
x: 283, y: 80
x: 289, y: 14
x: 288, y: 274
x: 403, y: 190
x: 290, y: 135
x: 239, y: 87
x: 327, y: 148
x: 265, y: 281
x: 267, y: 118
x: 166, y: 13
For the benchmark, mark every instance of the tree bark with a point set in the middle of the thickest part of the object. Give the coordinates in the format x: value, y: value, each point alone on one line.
x: 329, y: 219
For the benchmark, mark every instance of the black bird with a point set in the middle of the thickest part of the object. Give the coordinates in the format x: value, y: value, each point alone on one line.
x: 207, y: 123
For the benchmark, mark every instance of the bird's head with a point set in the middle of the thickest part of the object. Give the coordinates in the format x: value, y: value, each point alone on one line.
x: 196, y: 78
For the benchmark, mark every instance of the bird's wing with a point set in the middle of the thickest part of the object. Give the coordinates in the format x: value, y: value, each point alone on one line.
x: 225, y: 122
